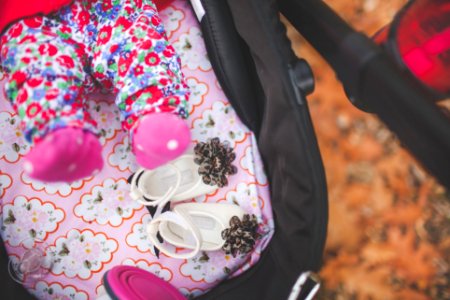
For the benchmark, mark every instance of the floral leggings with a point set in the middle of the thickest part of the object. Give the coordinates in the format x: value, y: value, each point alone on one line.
x: 117, y: 45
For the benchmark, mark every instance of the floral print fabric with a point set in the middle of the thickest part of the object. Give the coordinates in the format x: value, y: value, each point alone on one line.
x: 116, y: 45
x: 95, y: 225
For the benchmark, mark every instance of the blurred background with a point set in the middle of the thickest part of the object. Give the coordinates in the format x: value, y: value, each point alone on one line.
x: 389, y: 226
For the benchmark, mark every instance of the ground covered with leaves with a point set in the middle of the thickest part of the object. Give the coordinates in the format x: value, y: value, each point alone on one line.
x: 389, y: 226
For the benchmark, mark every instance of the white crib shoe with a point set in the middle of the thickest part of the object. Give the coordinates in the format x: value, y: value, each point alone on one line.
x: 195, y: 226
x: 176, y: 181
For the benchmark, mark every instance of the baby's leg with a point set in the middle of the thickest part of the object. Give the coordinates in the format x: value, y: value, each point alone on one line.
x: 133, y: 51
x: 45, y: 86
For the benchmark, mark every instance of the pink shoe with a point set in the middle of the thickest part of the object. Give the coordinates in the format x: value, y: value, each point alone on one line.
x: 160, y: 138
x: 127, y: 282
x: 65, y: 155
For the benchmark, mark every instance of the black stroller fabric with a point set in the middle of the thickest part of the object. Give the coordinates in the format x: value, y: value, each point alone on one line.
x: 255, y: 65
x: 9, y: 288
x: 286, y: 141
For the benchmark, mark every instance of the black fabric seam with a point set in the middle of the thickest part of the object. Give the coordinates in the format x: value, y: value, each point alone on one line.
x: 211, y: 26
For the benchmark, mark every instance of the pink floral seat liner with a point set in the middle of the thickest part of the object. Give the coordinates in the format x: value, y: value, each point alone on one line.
x: 94, y: 225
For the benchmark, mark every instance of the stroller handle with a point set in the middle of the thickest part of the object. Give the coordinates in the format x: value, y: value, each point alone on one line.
x: 376, y: 83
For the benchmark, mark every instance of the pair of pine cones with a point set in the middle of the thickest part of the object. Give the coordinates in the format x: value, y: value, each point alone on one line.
x: 215, y: 165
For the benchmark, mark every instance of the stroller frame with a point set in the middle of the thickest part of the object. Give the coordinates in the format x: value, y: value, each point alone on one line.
x: 377, y: 84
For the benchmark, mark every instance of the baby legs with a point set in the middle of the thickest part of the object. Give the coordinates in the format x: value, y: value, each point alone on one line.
x: 146, y: 74
x: 46, y: 85
x: 53, y: 61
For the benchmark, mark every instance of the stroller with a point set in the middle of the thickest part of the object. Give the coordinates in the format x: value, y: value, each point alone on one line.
x: 267, y: 85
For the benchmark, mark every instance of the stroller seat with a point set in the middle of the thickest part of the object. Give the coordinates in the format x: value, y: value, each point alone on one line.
x: 93, y: 225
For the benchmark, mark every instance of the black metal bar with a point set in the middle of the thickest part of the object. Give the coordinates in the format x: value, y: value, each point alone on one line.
x: 370, y: 76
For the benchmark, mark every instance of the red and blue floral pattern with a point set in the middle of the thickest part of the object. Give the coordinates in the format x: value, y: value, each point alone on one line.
x: 54, y: 61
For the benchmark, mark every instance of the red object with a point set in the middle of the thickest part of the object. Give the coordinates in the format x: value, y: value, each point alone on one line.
x: 131, y: 283
x: 161, y: 4
x: 14, y: 10
x: 419, y: 38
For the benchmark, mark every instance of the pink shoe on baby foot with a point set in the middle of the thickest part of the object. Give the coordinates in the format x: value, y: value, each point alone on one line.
x: 160, y: 138
x: 64, y: 155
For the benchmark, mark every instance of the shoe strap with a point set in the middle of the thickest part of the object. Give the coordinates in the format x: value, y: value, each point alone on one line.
x: 182, y: 219
x: 138, y: 195
x: 196, y: 184
x: 135, y: 192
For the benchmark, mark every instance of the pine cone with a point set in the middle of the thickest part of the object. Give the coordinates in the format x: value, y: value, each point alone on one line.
x: 215, y: 161
x: 241, y: 236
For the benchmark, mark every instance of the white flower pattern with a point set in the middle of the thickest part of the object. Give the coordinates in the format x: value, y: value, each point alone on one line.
x: 12, y: 142
x: 82, y: 253
x: 5, y: 183
x: 191, y: 49
x: 55, y: 291
x: 172, y: 18
x: 107, y: 203
x: 122, y: 157
x: 107, y: 116
x: 138, y: 239
x: 253, y: 164
x: 199, y: 90
x: 246, y: 196
x: 154, y: 268
x: 28, y: 220
x: 210, y: 266
x: 100, y: 291
x: 219, y: 121
x: 62, y: 189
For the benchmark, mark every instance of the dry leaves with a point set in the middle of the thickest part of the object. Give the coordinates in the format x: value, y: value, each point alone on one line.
x: 389, y: 222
